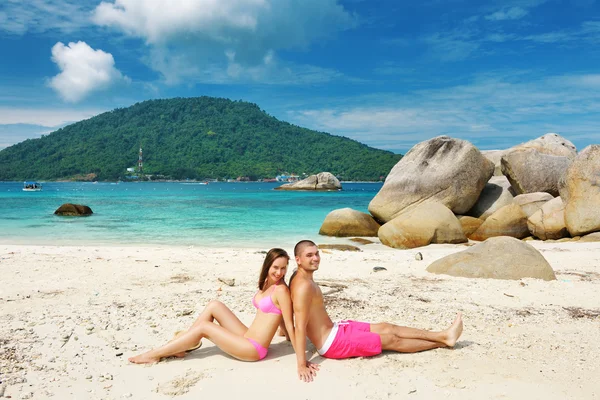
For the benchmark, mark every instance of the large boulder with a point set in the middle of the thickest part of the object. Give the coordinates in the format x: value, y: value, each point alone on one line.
x: 348, y: 222
x: 422, y: 225
x: 469, y: 224
x: 551, y: 144
x: 530, y: 203
x: 529, y: 170
x: 73, y: 210
x: 510, y: 220
x: 445, y: 170
x: 496, y: 194
x: 494, y: 156
x: 497, y: 258
x: 580, y: 191
x: 324, y: 181
x: 549, y: 221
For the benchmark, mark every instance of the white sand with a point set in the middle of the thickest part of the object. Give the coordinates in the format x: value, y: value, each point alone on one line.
x: 66, y: 312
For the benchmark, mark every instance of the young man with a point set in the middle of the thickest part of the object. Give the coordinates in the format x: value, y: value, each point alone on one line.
x: 346, y: 339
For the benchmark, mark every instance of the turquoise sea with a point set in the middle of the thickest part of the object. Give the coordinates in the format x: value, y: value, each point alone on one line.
x: 171, y: 213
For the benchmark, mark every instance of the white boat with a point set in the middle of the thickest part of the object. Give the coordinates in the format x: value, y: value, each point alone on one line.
x: 30, y: 186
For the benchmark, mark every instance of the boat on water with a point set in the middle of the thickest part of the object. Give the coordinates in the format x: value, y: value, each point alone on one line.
x: 30, y: 186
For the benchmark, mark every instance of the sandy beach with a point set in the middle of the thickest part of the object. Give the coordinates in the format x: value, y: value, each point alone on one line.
x: 70, y: 317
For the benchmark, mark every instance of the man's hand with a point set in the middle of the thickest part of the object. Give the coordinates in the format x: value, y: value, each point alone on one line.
x: 307, y: 372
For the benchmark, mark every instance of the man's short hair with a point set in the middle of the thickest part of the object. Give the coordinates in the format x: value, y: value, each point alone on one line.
x: 301, y: 245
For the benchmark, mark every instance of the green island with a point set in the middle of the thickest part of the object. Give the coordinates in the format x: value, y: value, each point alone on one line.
x: 190, y: 138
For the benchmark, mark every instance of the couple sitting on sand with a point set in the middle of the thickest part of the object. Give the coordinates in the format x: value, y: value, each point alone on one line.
x: 305, y: 305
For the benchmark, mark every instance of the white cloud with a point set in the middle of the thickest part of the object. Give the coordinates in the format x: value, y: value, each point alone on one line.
x: 38, y: 16
x: 84, y: 70
x: 588, y: 32
x: 18, y: 124
x: 48, y: 117
x: 194, y: 40
x: 499, y: 37
x: 500, y: 112
x: 452, y: 46
x: 11, y: 134
x: 472, y: 40
x: 392, y: 68
x: 162, y: 20
x: 511, y: 13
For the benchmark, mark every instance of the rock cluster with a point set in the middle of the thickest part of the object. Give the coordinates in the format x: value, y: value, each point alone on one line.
x: 324, y: 181
x: 444, y: 191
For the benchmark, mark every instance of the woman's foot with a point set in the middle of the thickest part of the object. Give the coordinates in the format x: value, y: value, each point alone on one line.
x: 145, y: 358
x: 454, y: 332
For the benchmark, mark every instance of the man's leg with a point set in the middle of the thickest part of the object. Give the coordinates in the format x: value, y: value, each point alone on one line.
x: 400, y: 345
x: 411, y: 340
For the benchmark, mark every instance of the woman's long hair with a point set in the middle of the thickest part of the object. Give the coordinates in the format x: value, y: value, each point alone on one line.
x: 270, y: 258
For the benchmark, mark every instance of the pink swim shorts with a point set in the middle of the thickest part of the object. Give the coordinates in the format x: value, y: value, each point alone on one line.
x: 354, y: 339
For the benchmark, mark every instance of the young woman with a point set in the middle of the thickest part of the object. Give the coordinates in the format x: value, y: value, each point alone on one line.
x: 273, y: 304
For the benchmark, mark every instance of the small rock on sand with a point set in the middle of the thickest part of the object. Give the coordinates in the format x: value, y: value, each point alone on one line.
x: 341, y: 247
x: 361, y: 240
x: 227, y: 281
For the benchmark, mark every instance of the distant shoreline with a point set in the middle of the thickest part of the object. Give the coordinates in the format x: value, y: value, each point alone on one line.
x: 170, y: 181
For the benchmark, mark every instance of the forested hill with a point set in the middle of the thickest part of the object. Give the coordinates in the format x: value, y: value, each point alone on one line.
x: 195, y: 138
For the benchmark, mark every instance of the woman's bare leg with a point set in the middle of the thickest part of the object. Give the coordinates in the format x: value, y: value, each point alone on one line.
x: 405, y: 335
x: 231, y: 343
x: 216, y: 310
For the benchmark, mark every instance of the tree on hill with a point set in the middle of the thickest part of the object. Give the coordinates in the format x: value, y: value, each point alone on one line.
x: 200, y: 138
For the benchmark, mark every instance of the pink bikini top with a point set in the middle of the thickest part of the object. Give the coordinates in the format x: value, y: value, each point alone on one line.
x: 266, y: 304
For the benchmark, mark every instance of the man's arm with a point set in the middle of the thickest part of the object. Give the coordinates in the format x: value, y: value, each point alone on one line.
x: 302, y: 299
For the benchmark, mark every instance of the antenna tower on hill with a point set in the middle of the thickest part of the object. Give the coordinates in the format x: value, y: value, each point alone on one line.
x: 140, y: 162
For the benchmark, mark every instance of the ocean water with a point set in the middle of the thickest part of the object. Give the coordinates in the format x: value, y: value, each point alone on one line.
x: 170, y: 213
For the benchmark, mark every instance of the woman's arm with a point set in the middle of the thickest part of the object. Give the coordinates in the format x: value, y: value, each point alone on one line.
x: 282, y: 331
x: 282, y: 295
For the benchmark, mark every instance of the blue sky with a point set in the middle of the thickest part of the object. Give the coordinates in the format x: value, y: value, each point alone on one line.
x: 386, y: 73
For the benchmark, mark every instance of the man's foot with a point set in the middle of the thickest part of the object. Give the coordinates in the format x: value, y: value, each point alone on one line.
x: 145, y: 358
x: 454, y: 332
